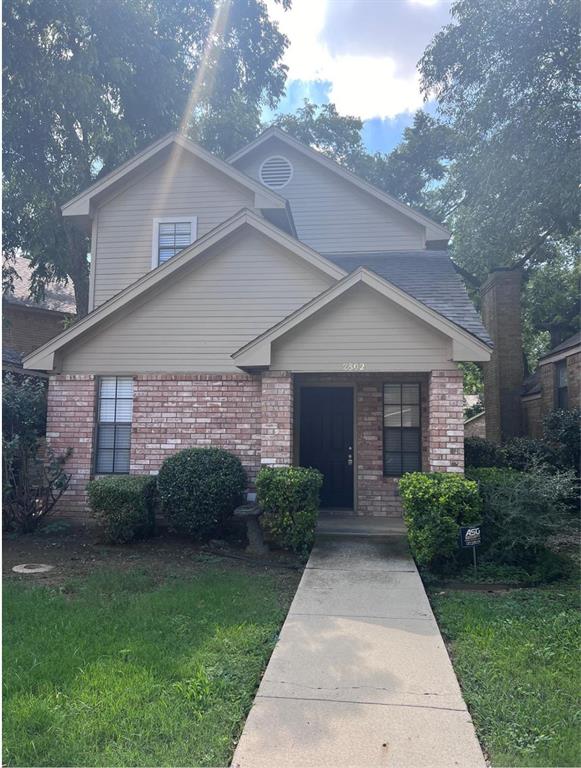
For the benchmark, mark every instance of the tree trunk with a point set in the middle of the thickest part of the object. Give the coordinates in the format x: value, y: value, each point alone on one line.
x: 78, y: 267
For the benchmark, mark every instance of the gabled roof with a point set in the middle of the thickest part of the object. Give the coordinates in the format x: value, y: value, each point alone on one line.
x: 434, y: 231
x: 257, y: 353
x: 428, y: 276
x: 81, y: 204
x: 43, y: 358
x: 561, y: 349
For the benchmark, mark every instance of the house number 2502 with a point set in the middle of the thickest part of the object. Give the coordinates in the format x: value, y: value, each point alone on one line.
x: 353, y: 366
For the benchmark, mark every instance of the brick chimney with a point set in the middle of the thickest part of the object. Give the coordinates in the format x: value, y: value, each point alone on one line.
x: 503, y: 375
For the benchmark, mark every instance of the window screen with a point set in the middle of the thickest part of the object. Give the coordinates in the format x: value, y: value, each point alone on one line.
x: 115, y: 411
x: 402, y: 444
x: 173, y: 237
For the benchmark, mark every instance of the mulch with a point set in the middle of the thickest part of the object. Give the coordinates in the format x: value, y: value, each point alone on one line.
x: 76, y: 549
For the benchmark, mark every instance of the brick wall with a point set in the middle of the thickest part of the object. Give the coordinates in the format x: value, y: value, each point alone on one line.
x: 476, y: 426
x: 532, y: 417
x: 547, y: 374
x: 574, y: 380
x: 70, y: 424
x: 446, y: 422
x: 277, y: 399
x: 504, y: 373
x: 27, y: 328
x: 176, y: 411
x: 253, y: 417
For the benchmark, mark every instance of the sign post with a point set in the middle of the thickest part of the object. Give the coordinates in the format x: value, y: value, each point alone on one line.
x: 470, y: 537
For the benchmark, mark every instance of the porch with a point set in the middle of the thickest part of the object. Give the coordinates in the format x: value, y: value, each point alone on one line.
x: 363, y: 431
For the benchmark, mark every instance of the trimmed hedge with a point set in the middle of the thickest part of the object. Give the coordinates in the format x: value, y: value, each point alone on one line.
x: 289, y: 497
x: 124, y: 506
x: 435, y: 506
x: 199, y: 489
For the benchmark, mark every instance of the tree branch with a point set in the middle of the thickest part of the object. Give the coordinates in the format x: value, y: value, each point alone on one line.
x: 468, y: 276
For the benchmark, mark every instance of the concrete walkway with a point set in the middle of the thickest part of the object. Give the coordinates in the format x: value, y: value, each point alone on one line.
x: 360, y: 677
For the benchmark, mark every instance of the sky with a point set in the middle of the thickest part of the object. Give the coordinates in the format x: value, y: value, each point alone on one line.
x: 361, y: 55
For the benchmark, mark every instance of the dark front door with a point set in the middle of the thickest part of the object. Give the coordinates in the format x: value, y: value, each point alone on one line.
x: 326, y: 441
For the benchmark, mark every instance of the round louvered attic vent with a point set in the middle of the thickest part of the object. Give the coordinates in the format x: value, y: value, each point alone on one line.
x: 276, y: 172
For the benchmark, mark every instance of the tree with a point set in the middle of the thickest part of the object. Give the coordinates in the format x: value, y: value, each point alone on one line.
x: 505, y: 74
x: 88, y: 83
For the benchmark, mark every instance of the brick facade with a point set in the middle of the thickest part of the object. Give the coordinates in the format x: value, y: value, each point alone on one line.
x: 574, y: 380
x: 277, y: 418
x: 504, y: 373
x: 254, y: 417
x: 27, y: 328
x: 71, y: 424
x: 172, y: 412
x: 446, y: 422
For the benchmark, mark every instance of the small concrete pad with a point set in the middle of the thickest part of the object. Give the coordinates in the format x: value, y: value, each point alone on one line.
x: 375, y: 594
x: 381, y: 553
x: 291, y: 733
x: 388, y: 661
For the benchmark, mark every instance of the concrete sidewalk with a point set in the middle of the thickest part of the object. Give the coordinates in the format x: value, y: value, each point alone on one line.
x: 360, y: 676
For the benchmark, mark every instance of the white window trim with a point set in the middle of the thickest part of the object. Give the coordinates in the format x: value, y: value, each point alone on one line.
x: 178, y: 218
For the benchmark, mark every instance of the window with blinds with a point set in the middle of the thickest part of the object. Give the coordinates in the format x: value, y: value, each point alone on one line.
x: 402, y: 442
x: 562, y: 388
x: 114, y: 413
x: 170, y: 236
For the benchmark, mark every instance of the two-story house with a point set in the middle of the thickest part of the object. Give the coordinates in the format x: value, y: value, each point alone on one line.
x: 275, y: 305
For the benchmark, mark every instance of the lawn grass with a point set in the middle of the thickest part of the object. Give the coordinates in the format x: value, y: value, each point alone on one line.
x: 516, y: 655
x: 118, y: 669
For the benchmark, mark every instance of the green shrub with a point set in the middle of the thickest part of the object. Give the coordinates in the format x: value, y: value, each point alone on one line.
x: 521, y: 510
x: 199, y: 489
x: 481, y: 453
x: 289, y: 497
x: 124, y: 506
x: 435, y: 506
x: 33, y: 476
x: 562, y: 431
x: 525, y: 454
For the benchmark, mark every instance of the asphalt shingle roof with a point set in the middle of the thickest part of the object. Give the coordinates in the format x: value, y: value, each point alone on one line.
x: 428, y: 276
x: 572, y: 341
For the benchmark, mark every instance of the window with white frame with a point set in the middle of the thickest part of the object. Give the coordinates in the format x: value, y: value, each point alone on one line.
x: 171, y: 235
x: 114, y: 414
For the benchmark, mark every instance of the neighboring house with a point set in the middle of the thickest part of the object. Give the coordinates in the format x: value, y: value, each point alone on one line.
x: 555, y: 384
x: 275, y: 305
x: 28, y: 324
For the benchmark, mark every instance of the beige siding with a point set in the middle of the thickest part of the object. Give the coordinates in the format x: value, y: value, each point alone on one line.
x: 195, y: 321
x: 362, y: 327
x: 330, y: 213
x: 124, y: 225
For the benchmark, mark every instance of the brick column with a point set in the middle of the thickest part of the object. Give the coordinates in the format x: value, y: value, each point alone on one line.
x: 277, y: 419
x: 70, y: 424
x: 446, y: 422
x: 574, y: 380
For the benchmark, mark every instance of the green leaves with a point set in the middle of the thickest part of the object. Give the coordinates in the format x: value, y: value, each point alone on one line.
x: 124, y: 506
x: 199, y: 489
x: 289, y: 497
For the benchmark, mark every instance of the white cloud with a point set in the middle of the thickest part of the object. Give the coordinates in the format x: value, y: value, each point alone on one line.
x: 367, y: 86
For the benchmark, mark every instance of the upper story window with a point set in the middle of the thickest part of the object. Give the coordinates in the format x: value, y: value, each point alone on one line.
x: 115, y: 414
x: 276, y: 172
x: 402, y: 443
x: 170, y: 236
x: 562, y: 385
